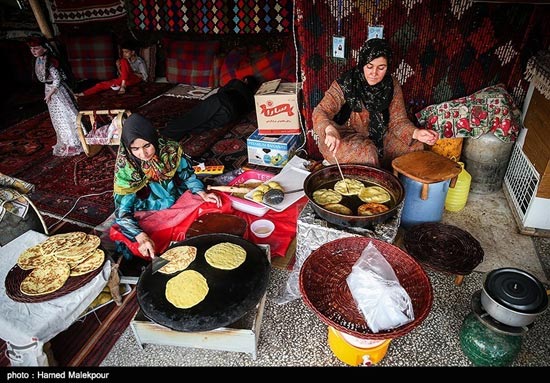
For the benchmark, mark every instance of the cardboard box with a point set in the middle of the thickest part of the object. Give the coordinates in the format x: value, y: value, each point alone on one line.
x: 277, y: 108
x: 272, y: 151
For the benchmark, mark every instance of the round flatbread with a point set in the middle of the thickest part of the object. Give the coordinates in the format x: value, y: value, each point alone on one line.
x: 338, y: 208
x: 91, y: 263
x: 46, y: 278
x: 187, y: 289
x: 326, y: 196
x: 225, y: 256
x: 180, y: 258
x: 372, y: 208
x: 32, y: 257
x: 348, y: 186
x: 374, y: 194
x: 64, y: 241
x: 89, y: 243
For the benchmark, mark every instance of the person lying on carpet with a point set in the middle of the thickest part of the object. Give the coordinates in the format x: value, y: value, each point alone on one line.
x: 151, y: 174
x: 58, y: 97
x: 131, y: 70
x: 362, y: 117
x: 230, y: 103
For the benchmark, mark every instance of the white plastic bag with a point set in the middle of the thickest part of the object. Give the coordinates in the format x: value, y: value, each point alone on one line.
x: 377, y: 292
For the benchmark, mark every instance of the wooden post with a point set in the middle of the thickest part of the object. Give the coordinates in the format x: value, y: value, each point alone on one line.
x: 40, y: 19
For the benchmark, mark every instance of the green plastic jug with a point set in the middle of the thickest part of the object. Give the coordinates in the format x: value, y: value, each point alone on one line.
x: 458, y: 196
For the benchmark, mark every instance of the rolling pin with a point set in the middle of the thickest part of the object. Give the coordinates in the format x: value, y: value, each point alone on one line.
x: 230, y: 189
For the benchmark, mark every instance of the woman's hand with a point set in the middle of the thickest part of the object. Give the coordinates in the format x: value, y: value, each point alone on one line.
x: 332, y: 138
x: 426, y: 136
x: 146, y: 245
x: 210, y: 197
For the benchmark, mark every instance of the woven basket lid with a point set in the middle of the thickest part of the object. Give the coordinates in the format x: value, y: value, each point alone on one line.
x: 445, y: 248
x: 325, y: 290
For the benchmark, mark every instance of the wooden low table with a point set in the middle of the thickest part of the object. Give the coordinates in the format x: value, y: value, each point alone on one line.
x: 427, y: 168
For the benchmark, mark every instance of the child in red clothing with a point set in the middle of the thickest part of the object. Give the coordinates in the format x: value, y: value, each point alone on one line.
x: 131, y: 69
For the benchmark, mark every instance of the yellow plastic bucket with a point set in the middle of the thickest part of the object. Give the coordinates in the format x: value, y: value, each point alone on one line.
x: 355, y: 351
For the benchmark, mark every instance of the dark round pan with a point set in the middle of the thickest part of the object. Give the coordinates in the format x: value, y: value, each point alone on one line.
x: 232, y: 293
x: 365, y: 173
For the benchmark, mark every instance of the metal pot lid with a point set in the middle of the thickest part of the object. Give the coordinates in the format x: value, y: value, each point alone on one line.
x: 516, y: 290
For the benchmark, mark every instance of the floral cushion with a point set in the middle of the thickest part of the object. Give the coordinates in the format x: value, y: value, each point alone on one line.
x: 490, y: 109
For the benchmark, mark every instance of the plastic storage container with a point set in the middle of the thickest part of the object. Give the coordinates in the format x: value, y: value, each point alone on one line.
x: 415, y: 209
x: 458, y: 196
x: 355, y: 351
x: 245, y: 205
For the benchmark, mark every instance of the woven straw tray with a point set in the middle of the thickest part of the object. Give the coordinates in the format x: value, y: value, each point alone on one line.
x: 445, y: 248
x: 325, y: 290
x: 16, y: 275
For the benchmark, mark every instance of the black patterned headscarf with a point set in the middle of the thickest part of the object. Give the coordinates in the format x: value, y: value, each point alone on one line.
x: 377, y: 98
x: 131, y: 173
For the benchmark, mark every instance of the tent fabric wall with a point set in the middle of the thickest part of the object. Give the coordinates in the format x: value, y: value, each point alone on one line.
x: 441, y: 49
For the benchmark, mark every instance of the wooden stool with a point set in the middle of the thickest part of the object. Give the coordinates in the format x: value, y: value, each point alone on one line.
x: 88, y: 120
x: 426, y: 177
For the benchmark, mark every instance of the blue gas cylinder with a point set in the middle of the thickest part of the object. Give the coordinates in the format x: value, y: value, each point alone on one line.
x: 415, y: 209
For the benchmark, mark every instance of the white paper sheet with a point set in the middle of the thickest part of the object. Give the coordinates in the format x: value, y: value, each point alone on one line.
x: 291, y: 177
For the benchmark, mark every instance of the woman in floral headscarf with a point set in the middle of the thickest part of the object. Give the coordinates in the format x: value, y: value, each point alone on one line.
x: 151, y: 173
x: 58, y: 97
x: 362, y: 117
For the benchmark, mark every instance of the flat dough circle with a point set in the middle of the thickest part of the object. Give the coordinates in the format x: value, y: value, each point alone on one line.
x: 338, y: 208
x: 32, y: 257
x: 180, y: 258
x: 326, y: 196
x: 374, y: 194
x: 372, y: 208
x: 93, y: 262
x: 187, y: 289
x: 225, y: 256
x: 353, y: 186
x: 45, y: 279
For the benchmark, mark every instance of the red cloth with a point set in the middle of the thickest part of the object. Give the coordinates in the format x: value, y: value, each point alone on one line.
x: 165, y: 226
x: 126, y: 74
x: 285, y: 227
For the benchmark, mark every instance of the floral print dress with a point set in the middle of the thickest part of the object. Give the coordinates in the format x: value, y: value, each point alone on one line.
x: 63, y: 112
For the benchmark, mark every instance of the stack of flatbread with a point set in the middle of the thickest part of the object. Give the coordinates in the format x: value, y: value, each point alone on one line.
x: 56, y: 259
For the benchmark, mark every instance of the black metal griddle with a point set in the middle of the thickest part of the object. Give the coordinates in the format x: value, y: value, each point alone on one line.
x: 232, y: 293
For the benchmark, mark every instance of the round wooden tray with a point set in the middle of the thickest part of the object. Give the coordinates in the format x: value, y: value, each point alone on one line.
x: 16, y: 275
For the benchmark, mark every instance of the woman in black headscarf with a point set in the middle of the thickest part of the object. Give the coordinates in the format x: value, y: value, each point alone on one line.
x: 151, y: 174
x: 362, y: 117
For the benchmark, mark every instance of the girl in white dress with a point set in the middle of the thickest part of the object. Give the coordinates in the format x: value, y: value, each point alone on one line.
x: 61, y: 106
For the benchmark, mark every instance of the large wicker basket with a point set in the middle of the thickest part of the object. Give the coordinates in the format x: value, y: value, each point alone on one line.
x: 325, y: 290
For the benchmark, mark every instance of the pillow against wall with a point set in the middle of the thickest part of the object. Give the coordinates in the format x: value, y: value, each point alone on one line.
x: 191, y: 62
x: 255, y: 61
x: 490, y: 109
x: 92, y: 57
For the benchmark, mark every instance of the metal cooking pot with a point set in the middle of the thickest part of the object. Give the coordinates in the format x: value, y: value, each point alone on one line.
x: 232, y: 293
x: 513, y: 297
x: 368, y: 174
